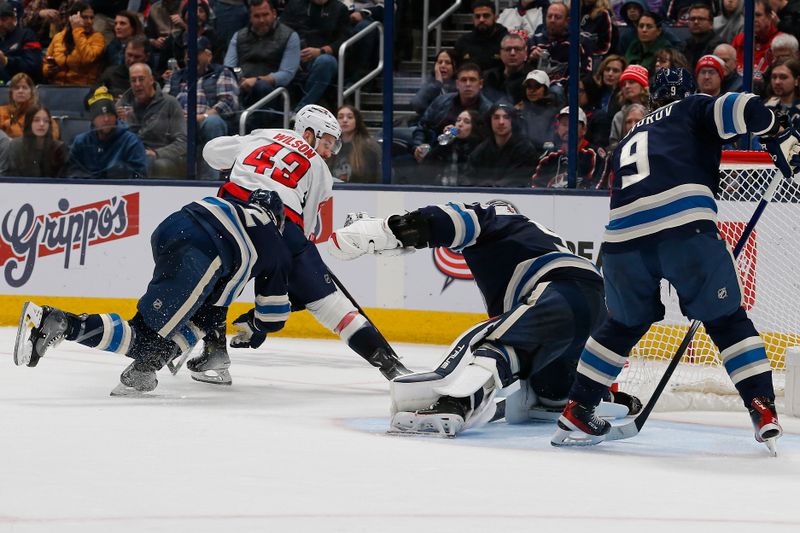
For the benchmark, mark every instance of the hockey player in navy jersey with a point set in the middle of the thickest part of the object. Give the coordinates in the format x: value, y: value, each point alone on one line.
x: 204, y: 256
x: 663, y: 224
x: 292, y: 163
x: 543, y: 302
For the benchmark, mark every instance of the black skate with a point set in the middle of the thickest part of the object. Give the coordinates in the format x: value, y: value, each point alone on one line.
x: 630, y: 401
x: 138, y: 378
x: 765, y: 422
x: 40, y: 328
x: 212, y: 365
x: 388, y: 364
x: 578, y: 425
x: 445, y: 418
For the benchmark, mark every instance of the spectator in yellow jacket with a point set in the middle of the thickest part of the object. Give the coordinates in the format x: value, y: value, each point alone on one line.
x: 22, y: 96
x: 75, y: 54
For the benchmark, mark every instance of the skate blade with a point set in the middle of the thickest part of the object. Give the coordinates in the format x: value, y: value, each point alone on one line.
x: 414, y: 424
x: 566, y: 437
x: 175, y: 367
x: 215, y: 377
x: 772, y: 446
x: 30, y: 318
x: 123, y: 390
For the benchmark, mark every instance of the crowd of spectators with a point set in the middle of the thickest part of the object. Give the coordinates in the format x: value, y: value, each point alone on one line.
x: 491, y: 113
x: 518, y: 61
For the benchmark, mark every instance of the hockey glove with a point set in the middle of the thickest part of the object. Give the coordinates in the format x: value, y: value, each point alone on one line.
x: 364, y: 235
x: 247, y: 335
x: 785, y: 151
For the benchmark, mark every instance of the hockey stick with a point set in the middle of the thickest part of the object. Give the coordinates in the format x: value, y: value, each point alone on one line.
x: 632, y: 428
x: 360, y: 310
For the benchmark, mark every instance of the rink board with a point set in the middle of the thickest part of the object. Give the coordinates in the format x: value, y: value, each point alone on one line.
x: 85, y: 246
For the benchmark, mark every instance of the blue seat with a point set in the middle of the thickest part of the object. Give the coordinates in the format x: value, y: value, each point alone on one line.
x: 64, y: 100
x: 4, y: 95
x: 70, y: 127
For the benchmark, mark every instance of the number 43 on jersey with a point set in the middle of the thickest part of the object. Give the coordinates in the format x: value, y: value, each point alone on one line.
x: 280, y: 163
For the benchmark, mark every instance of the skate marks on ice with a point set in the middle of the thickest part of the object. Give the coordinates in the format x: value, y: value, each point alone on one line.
x: 659, y: 439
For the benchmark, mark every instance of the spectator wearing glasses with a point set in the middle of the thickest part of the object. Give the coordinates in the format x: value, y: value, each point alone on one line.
x: 649, y: 39
x: 505, y: 84
x: 702, y: 39
x: 732, y: 81
x: 676, y: 12
x: 117, y: 77
x: 75, y: 54
x: 709, y: 73
x: 482, y: 45
x: 506, y: 158
x: 19, y: 49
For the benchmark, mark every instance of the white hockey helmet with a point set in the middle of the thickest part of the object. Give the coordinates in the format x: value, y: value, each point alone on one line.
x: 320, y: 121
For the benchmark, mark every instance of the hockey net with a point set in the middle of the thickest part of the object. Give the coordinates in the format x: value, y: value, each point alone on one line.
x: 771, y: 296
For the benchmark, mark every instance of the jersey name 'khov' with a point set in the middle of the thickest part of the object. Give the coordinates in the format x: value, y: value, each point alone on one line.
x: 507, y: 253
x: 666, y: 169
x: 278, y: 160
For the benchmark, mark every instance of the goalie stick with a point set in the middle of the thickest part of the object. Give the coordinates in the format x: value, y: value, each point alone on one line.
x: 632, y: 428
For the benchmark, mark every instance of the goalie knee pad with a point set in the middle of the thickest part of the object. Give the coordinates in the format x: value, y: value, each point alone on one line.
x: 338, y: 314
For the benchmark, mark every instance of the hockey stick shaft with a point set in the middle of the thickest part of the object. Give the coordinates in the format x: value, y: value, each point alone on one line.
x: 359, y: 309
x: 633, y: 427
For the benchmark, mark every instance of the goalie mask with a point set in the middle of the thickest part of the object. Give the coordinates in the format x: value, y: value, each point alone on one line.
x: 320, y: 121
x: 670, y: 85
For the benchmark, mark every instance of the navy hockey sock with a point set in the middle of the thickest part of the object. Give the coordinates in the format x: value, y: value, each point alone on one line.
x: 107, y: 332
x: 743, y: 355
x: 366, y: 341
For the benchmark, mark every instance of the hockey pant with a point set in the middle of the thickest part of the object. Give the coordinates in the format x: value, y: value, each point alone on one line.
x: 539, y: 340
x: 175, y: 311
x: 702, y: 271
x: 311, y: 287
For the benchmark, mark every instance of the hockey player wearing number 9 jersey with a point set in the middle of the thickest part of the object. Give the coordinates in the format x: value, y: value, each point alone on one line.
x: 663, y: 224
x: 292, y: 163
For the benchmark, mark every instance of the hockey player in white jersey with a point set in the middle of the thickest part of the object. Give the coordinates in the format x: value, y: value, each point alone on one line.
x: 292, y: 163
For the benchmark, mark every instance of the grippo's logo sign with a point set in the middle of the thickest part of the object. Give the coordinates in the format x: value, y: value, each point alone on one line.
x: 27, y: 236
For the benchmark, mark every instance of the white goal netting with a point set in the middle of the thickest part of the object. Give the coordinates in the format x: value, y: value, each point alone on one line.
x: 771, y: 295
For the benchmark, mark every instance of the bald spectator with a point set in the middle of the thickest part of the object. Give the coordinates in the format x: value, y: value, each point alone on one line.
x: 732, y: 82
x: 116, y: 77
x: 505, y: 84
x: 482, y: 45
x: 158, y: 121
x: 554, y: 39
x: 19, y: 49
x: 709, y: 72
x: 765, y: 32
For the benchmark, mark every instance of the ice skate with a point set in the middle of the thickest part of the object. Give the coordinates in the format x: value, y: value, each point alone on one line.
x: 765, y: 422
x: 578, y: 425
x: 212, y: 365
x: 137, y: 379
x: 630, y: 401
x: 40, y: 328
x: 388, y: 364
x: 445, y: 418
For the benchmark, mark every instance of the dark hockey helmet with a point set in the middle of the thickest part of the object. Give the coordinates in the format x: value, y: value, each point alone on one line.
x: 271, y: 203
x: 670, y: 85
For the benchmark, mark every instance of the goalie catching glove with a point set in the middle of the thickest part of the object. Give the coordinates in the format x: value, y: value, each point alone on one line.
x: 247, y: 334
x: 362, y: 235
x: 785, y: 151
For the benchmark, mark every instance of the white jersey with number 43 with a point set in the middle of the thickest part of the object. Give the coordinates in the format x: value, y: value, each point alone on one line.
x: 278, y: 160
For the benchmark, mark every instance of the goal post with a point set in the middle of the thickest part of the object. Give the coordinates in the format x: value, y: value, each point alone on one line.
x: 771, y: 295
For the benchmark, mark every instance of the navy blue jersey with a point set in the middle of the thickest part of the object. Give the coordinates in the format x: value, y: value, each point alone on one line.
x: 666, y: 169
x: 249, y: 246
x: 507, y: 253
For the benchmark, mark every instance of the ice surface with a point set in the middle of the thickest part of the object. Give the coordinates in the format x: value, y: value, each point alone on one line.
x: 297, y: 444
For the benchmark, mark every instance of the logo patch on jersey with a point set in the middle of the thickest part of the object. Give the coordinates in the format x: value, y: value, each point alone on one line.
x: 722, y: 293
x: 747, y: 261
x: 26, y: 236
x: 157, y: 304
x: 452, y: 265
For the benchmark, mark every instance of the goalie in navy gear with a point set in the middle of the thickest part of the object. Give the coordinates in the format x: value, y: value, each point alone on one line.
x: 204, y: 256
x: 544, y: 302
x: 663, y: 224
